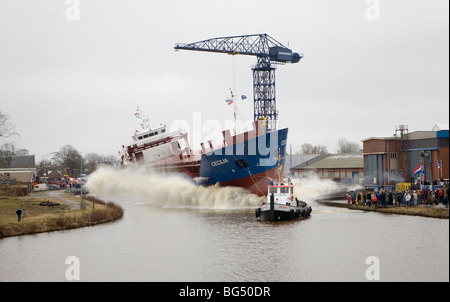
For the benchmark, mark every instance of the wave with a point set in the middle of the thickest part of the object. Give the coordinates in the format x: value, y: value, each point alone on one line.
x: 168, y: 190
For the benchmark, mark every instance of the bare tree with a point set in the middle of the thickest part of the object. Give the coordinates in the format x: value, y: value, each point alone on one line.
x: 70, y: 158
x: 307, y: 148
x: 345, y: 146
x: 10, y: 149
x: 93, y: 160
x: 310, y: 149
x: 320, y: 149
x: 6, y: 129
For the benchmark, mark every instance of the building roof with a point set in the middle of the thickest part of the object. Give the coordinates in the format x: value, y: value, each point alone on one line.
x: 439, y: 127
x: 297, y: 159
x: 439, y: 130
x: 334, y: 161
x: 16, y: 162
x: 311, y: 161
x: 416, y: 135
x: 384, y: 138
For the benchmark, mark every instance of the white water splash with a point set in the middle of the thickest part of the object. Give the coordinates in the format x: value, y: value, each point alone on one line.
x: 312, y: 188
x: 169, y: 190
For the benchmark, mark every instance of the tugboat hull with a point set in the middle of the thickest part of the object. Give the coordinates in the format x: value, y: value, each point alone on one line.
x: 282, y: 213
x: 277, y: 212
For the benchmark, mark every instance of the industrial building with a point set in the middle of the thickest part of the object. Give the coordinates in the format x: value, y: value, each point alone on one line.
x: 345, y: 168
x: 392, y: 160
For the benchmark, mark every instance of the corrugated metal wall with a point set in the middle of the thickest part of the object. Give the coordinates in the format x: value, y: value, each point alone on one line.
x: 373, y: 165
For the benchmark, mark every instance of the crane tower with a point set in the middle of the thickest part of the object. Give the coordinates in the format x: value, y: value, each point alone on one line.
x: 268, y: 51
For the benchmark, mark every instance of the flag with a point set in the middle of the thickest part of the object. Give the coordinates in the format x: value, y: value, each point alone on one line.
x: 243, y: 97
x: 439, y: 164
x: 229, y: 101
x: 418, y: 170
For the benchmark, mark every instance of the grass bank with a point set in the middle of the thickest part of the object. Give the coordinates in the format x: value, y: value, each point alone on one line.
x: 420, y: 210
x: 62, y: 215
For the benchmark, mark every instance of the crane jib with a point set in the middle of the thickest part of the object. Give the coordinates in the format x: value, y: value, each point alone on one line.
x: 267, y: 50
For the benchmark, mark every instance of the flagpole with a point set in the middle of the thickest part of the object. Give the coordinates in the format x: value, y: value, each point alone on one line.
x: 234, y: 108
x: 437, y: 172
x: 234, y: 88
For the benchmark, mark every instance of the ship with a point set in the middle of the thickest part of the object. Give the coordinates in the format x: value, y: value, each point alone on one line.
x: 250, y: 160
x: 281, y: 204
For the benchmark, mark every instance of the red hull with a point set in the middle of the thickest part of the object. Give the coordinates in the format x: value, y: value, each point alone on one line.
x: 256, y: 184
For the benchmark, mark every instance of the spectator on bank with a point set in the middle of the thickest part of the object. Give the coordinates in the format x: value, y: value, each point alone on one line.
x: 375, y: 201
x: 431, y: 196
x: 383, y: 197
x: 400, y: 198
x: 446, y: 200
x: 415, y: 200
x: 423, y: 195
x: 407, y: 199
x: 368, y: 198
x: 349, y: 199
x: 19, y: 213
x: 440, y: 194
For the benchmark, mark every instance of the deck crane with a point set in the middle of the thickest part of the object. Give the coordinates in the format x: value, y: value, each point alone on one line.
x: 267, y: 50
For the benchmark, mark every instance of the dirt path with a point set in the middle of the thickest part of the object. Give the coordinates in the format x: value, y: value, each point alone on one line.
x: 71, y: 201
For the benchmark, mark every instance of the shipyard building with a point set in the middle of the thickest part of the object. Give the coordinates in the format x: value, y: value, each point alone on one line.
x: 405, y: 157
x: 419, y: 156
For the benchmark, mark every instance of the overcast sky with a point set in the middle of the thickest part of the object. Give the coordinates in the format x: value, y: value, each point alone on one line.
x: 72, y: 72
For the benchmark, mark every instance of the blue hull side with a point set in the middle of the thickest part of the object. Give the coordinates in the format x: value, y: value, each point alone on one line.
x: 259, y: 156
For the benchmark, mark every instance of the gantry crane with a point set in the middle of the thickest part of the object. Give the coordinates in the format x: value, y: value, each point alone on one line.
x: 267, y: 50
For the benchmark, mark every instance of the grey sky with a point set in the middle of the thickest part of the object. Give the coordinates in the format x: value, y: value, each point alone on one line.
x: 78, y: 82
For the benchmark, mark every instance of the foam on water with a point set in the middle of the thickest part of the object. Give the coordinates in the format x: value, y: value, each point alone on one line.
x: 310, y: 188
x: 169, y: 190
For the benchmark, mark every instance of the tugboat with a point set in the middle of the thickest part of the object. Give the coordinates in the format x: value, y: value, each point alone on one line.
x: 282, y: 205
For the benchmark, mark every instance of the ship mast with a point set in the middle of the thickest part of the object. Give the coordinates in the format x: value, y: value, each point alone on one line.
x: 144, y: 123
x: 234, y: 111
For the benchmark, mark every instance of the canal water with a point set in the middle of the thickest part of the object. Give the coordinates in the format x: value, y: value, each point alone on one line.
x: 175, y: 231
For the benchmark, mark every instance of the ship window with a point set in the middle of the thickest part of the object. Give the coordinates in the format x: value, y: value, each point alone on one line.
x: 164, y: 130
x: 284, y: 190
x: 272, y: 190
x: 242, y: 163
x: 146, y: 135
x: 151, y: 134
x: 140, y: 137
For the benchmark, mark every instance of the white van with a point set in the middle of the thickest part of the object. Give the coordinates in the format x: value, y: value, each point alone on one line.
x: 40, y: 187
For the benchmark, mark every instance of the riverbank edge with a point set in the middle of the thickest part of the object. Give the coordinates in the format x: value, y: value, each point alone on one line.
x: 423, y: 211
x: 95, y: 211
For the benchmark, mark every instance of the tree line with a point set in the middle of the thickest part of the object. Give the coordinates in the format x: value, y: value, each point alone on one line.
x: 67, y: 157
x: 72, y: 159
x: 343, y: 146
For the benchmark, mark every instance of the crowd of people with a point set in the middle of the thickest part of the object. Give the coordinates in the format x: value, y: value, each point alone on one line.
x: 399, y: 198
